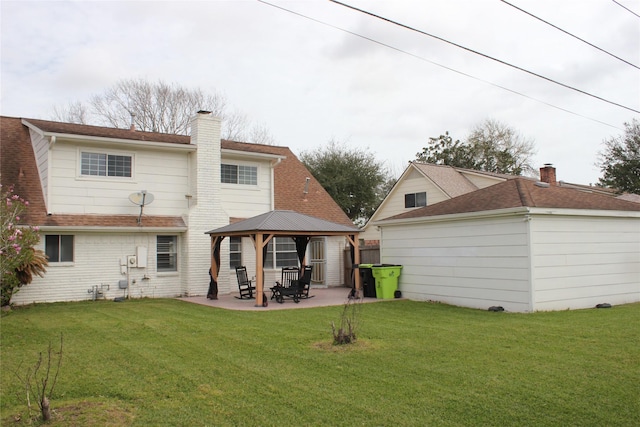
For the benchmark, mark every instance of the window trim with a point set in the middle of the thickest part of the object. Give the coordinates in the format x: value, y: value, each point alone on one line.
x: 59, y: 252
x: 254, y: 171
x: 83, y: 150
x: 176, y: 252
x: 415, y: 200
x: 231, y: 251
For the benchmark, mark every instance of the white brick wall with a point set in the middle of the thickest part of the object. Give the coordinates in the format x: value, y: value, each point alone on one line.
x: 206, y: 212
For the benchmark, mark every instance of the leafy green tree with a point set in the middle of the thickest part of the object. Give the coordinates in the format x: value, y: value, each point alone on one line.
x: 19, y: 261
x: 620, y: 160
x: 443, y: 150
x: 499, y: 148
x: 353, y: 177
x: 491, y: 146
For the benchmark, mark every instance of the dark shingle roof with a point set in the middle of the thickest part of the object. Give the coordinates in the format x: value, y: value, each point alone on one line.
x: 521, y: 192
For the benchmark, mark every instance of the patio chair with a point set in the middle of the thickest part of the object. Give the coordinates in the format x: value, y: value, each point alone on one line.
x: 245, y: 286
x: 289, y: 274
x: 304, y: 282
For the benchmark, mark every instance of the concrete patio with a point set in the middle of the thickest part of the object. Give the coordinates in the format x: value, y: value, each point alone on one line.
x: 322, y: 297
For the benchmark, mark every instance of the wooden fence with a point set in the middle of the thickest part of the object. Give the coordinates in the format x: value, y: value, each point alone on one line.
x: 368, y: 255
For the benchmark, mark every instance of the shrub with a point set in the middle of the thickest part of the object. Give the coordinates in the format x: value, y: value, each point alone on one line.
x: 19, y: 261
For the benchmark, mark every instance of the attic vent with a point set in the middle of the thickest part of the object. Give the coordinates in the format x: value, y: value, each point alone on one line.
x: 542, y: 184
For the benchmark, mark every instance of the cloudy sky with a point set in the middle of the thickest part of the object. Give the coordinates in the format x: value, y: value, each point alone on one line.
x: 313, y: 71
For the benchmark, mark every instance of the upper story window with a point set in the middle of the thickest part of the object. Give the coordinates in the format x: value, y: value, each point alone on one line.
x: 239, y: 174
x: 102, y: 164
x: 414, y: 200
x: 58, y: 248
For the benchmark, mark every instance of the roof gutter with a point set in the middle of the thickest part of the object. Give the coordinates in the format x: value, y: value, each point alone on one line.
x: 253, y: 155
x: 455, y: 217
x: 523, y: 210
x: 53, y: 136
x: 94, y: 228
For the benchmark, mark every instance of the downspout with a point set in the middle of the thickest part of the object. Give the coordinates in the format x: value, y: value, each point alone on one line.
x: 274, y: 163
x: 52, y: 142
x: 532, y: 291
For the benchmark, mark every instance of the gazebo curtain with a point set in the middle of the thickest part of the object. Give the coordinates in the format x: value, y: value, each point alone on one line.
x: 301, y: 247
x: 215, y: 268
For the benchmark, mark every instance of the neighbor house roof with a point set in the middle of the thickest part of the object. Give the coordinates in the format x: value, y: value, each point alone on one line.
x: 447, y: 178
x: 18, y: 168
x: 521, y: 192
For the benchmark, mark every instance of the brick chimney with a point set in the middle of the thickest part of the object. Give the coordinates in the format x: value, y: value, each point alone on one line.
x: 548, y: 174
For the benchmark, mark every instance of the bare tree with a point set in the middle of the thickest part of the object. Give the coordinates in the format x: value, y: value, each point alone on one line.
x: 154, y: 107
x: 74, y: 112
x: 160, y: 107
x: 260, y: 134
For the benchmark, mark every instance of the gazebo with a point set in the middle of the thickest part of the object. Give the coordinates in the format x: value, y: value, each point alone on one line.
x: 279, y: 223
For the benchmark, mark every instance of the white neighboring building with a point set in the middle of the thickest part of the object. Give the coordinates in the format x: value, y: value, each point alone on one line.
x: 79, y: 180
x: 522, y: 245
x: 424, y: 184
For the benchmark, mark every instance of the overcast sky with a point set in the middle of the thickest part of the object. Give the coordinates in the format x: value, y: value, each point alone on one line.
x: 369, y: 83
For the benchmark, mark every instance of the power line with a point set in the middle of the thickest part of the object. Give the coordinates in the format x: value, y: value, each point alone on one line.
x: 437, y: 64
x: 625, y: 7
x: 485, y: 56
x: 569, y: 34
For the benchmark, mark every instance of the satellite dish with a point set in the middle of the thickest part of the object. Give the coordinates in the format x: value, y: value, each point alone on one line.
x: 141, y: 199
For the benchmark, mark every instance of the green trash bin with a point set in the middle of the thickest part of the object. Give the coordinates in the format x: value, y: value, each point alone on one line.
x: 386, y: 276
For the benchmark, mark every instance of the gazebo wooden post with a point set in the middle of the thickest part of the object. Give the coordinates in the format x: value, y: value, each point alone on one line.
x: 259, y: 269
x: 353, y: 239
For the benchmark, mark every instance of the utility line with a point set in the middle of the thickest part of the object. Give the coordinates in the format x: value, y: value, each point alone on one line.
x: 437, y: 64
x: 485, y: 56
x: 569, y: 34
x: 625, y: 7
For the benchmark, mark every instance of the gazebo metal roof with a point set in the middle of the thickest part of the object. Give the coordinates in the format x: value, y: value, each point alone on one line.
x: 283, y: 223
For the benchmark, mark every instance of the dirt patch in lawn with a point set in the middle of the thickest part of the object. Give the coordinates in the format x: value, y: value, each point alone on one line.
x: 85, y: 414
x: 358, y: 345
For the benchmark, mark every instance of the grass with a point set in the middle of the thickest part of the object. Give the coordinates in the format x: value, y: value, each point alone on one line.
x: 171, y: 363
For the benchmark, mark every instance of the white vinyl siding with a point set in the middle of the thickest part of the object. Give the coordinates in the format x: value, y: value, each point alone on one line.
x: 245, y: 201
x: 474, y: 263
x: 164, y: 174
x: 584, y: 261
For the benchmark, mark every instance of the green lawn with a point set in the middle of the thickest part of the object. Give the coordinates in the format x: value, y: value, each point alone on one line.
x: 167, y: 362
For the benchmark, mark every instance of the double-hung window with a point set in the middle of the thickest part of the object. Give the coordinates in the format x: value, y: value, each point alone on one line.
x: 238, y: 174
x: 102, y: 164
x: 414, y: 200
x: 58, y: 248
x: 235, y: 252
x: 284, y: 255
x: 167, y: 253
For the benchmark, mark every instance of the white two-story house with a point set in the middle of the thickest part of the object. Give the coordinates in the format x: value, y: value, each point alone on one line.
x: 122, y: 207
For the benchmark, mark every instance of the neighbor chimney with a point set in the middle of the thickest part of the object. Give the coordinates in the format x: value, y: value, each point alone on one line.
x: 133, y: 124
x: 548, y: 174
